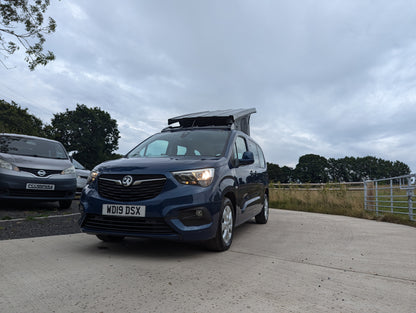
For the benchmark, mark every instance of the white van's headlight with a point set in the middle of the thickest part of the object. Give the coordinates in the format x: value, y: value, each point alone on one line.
x: 8, y: 166
x: 202, y: 177
x: 69, y: 170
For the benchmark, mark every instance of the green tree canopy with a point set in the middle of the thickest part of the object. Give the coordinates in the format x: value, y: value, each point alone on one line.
x: 90, y: 131
x: 14, y: 119
x: 356, y: 169
x: 312, y: 168
x: 279, y: 174
x: 22, y: 26
x: 317, y: 169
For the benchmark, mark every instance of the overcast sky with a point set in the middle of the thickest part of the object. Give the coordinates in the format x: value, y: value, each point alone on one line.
x: 333, y: 78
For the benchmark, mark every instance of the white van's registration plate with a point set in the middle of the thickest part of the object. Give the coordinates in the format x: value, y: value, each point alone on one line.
x: 124, y: 210
x: 33, y: 186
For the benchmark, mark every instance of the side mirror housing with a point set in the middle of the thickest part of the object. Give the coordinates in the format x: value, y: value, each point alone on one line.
x: 248, y: 158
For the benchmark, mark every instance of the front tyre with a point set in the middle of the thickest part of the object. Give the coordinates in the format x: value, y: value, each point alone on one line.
x: 263, y: 216
x: 224, y: 235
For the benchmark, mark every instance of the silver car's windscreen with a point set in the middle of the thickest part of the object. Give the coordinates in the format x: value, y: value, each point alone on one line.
x: 199, y: 143
x: 32, y: 147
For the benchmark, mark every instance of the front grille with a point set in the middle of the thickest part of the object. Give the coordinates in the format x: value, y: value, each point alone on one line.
x: 40, y: 193
x: 110, y: 187
x: 35, y: 171
x: 132, y: 225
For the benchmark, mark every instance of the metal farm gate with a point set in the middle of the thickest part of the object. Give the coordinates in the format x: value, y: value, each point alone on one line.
x: 391, y: 195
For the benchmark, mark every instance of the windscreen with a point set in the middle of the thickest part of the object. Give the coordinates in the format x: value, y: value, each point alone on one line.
x: 32, y: 147
x: 196, y: 143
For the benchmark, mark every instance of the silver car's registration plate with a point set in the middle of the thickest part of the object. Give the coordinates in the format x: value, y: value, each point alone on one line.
x: 33, y: 186
x: 124, y: 210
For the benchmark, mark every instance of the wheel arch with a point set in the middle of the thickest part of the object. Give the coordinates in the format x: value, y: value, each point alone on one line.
x: 231, y: 195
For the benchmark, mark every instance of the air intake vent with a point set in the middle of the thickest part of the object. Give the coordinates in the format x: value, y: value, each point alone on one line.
x: 127, y: 224
x: 142, y: 187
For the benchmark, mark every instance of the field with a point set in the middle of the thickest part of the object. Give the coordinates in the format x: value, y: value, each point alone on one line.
x: 338, y: 199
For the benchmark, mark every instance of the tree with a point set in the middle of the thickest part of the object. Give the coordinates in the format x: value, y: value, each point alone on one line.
x: 279, y: 174
x: 273, y: 171
x: 286, y: 174
x: 350, y: 169
x: 22, y: 26
x: 399, y: 169
x: 90, y: 131
x: 14, y: 119
x: 312, y: 168
x: 337, y: 170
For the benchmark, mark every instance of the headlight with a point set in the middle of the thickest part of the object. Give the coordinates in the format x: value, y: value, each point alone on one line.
x: 8, y: 166
x: 201, y: 177
x: 93, y: 175
x: 69, y: 170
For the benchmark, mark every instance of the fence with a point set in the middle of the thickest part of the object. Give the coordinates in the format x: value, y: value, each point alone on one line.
x: 391, y: 195
x: 353, y: 186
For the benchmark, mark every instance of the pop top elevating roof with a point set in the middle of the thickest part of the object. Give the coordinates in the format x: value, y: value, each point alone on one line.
x: 236, y: 119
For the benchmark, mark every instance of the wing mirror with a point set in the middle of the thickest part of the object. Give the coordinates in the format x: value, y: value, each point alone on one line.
x: 248, y: 158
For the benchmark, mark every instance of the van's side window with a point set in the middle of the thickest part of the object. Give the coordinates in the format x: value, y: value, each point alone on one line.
x: 261, y: 156
x: 234, y: 156
x: 241, y: 147
x: 253, y: 148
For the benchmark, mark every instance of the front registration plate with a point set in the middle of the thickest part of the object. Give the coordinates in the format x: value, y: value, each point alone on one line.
x: 33, y: 186
x: 124, y: 210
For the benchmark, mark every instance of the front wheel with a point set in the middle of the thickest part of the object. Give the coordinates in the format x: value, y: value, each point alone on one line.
x: 224, y: 235
x: 263, y: 216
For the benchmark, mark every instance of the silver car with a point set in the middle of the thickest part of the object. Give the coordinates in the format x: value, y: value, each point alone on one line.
x: 34, y: 168
x: 82, y: 175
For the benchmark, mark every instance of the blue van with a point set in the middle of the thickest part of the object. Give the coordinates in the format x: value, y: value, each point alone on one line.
x: 193, y: 182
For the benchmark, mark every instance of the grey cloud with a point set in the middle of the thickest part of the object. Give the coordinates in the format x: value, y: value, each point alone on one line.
x: 335, y: 78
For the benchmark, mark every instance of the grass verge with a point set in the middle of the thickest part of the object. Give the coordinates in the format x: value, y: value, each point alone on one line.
x: 338, y: 202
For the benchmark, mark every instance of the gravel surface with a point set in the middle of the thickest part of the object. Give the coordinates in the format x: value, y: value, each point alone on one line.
x: 36, y: 219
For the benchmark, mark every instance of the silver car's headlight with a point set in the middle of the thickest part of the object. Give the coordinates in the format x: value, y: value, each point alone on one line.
x: 8, y: 166
x: 201, y: 177
x: 69, y: 170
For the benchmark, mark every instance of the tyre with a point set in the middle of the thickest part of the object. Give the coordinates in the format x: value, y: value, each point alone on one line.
x: 110, y: 238
x: 224, y: 235
x: 263, y: 216
x: 65, y: 204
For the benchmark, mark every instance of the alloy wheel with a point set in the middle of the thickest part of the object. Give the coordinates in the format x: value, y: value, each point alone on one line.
x: 227, y: 225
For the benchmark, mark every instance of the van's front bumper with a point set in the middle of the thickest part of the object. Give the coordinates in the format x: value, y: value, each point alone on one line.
x: 188, y: 213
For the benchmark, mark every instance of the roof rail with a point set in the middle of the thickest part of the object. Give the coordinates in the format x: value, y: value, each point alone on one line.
x: 238, y: 119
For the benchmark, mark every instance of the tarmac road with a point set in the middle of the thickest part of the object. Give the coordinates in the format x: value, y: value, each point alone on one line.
x: 35, y: 219
x: 298, y: 262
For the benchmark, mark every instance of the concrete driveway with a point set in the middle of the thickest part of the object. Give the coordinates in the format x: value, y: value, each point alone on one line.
x: 298, y: 262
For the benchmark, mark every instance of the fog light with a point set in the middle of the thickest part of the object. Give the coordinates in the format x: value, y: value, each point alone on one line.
x: 195, y: 216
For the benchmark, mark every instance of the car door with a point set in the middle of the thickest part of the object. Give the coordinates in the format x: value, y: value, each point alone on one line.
x: 255, y: 178
x: 244, y: 182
